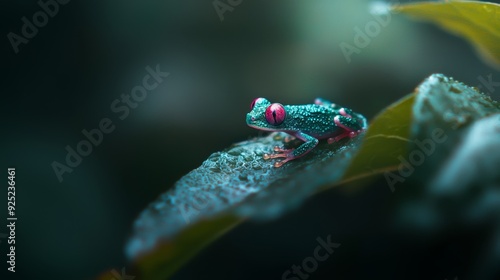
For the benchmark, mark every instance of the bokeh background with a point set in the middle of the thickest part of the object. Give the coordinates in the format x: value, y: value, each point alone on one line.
x: 66, y: 77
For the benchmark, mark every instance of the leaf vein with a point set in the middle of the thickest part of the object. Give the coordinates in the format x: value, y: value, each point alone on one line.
x: 389, y: 137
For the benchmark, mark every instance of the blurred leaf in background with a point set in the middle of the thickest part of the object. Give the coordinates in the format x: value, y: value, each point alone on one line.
x: 478, y: 22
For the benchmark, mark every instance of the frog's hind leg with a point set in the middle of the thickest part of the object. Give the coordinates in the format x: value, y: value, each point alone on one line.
x: 348, y: 124
x: 346, y: 112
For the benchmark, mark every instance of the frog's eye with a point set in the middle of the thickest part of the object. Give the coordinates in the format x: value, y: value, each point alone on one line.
x: 275, y: 114
x: 255, y: 102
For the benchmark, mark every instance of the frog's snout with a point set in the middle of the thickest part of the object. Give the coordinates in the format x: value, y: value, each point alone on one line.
x: 250, y: 119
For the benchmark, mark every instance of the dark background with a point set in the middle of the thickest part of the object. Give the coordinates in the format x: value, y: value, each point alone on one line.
x: 65, y: 78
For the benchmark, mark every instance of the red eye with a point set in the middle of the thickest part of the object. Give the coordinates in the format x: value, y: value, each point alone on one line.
x: 275, y: 114
x: 254, y: 101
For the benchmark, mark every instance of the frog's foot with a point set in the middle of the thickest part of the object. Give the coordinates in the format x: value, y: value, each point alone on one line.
x: 344, y: 122
x: 283, y: 153
x: 291, y: 154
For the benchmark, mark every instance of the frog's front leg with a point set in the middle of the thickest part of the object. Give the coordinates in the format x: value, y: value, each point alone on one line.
x: 309, y: 144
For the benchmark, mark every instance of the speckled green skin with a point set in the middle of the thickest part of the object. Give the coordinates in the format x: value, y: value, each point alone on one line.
x: 310, y: 123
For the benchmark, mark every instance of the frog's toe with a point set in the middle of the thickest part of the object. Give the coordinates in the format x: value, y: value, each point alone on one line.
x: 282, y: 150
x: 282, y: 153
x: 268, y: 156
x: 281, y: 162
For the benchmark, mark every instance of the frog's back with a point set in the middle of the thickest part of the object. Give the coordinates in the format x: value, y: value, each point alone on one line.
x: 315, y: 120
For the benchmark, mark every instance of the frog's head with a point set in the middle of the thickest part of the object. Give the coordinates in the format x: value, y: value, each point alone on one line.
x: 266, y: 116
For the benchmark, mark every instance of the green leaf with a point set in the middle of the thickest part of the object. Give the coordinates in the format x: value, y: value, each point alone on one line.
x: 477, y: 22
x: 386, y: 139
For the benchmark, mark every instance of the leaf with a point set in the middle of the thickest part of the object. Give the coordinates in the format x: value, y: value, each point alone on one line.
x: 457, y: 183
x: 439, y: 102
x: 478, y: 22
x: 475, y: 160
x: 172, y: 253
x: 227, y: 188
x: 444, y: 104
x: 237, y: 183
x: 385, y: 140
x: 468, y: 124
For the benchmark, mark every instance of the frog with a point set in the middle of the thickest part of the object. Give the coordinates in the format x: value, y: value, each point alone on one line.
x: 310, y: 123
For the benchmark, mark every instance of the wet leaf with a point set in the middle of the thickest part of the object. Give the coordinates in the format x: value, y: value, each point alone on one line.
x: 227, y: 188
x: 477, y: 22
x: 446, y: 105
